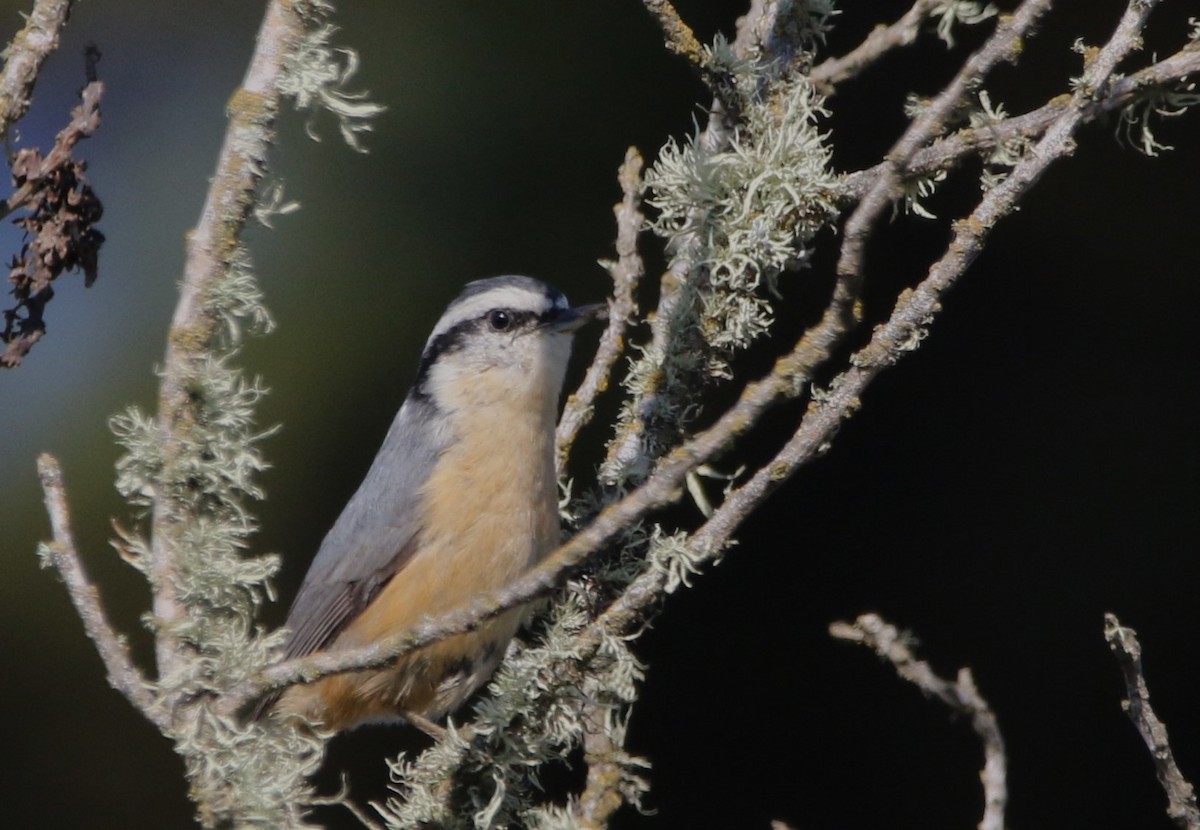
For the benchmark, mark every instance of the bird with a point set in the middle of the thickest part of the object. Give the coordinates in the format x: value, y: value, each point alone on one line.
x: 461, y: 499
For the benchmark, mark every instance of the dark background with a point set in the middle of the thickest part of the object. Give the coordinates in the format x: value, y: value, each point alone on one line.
x: 1031, y: 467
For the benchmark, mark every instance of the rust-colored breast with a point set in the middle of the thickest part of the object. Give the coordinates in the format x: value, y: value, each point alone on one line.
x: 489, y: 512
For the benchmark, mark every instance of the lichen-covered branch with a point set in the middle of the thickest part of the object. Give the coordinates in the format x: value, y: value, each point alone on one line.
x: 24, y: 57
x: 738, y: 205
x: 1181, y: 797
x: 193, y: 467
x: 212, y: 246
x: 959, y: 695
x: 677, y: 35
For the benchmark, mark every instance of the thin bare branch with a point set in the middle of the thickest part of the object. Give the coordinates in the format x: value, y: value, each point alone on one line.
x: 230, y: 200
x: 960, y: 695
x: 123, y: 675
x: 1181, y: 797
x: 626, y: 273
x: 882, y: 39
x: 25, y: 55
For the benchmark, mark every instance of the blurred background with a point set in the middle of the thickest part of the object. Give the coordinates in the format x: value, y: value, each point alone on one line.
x: 1034, y: 465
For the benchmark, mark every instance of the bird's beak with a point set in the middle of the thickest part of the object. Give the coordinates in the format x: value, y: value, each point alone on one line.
x: 568, y: 320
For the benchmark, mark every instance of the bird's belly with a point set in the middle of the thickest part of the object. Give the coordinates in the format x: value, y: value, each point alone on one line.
x: 443, y: 576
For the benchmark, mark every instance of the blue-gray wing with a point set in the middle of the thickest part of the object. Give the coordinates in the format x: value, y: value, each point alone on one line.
x: 375, y: 535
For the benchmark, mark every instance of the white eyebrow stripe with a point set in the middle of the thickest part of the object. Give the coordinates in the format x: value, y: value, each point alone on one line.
x: 506, y: 296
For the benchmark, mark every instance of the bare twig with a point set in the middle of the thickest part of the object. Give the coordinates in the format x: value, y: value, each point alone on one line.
x: 960, y: 695
x: 882, y: 39
x: 212, y: 243
x: 342, y: 799
x: 123, y: 675
x: 25, y: 55
x: 626, y: 272
x: 1181, y: 798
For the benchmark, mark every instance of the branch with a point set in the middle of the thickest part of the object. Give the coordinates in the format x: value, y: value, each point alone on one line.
x: 59, y: 228
x: 25, y: 55
x: 1003, y: 45
x: 601, y: 796
x: 659, y: 490
x: 626, y: 272
x: 1121, y: 93
x: 758, y: 38
x: 882, y: 39
x: 1181, y: 798
x: 123, y: 675
x: 677, y: 35
x: 961, y: 696
x: 211, y: 245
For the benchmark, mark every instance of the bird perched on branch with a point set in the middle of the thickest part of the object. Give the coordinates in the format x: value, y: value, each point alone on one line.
x: 461, y: 499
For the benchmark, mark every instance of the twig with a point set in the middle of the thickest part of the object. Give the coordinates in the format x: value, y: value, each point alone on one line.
x: 1002, y: 45
x: 757, y: 30
x: 85, y: 119
x: 601, y: 795
x: 626, y: 272
x: 678, y: 35
x: 961, y: 695
x: 59, y: 228
x: 947, y: 152
x: 1181, y: 798
x: 882, y: 39
x: 25, y: 55
x: 342, y: 799
x: 230, y: 200
x: 123, y: 675
x: 660, y: 489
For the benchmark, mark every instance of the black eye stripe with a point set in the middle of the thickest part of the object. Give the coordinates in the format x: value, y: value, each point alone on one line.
x: 455, y: 337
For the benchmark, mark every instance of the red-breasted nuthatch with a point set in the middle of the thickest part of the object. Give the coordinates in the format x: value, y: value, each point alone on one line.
x: 461, y: 499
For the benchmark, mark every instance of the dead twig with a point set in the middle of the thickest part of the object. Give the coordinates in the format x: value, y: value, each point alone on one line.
x: 63, y: 556
x: 1181, y: 797
x: 888, y: 642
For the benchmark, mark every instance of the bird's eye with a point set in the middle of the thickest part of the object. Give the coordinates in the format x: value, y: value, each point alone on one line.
x: 500, y: 320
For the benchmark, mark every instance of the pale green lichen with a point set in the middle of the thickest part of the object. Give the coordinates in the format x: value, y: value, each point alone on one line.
x: 240, y: 774
x: 315, y: 77
x: 959, y: 12
x: 1134, y: 126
